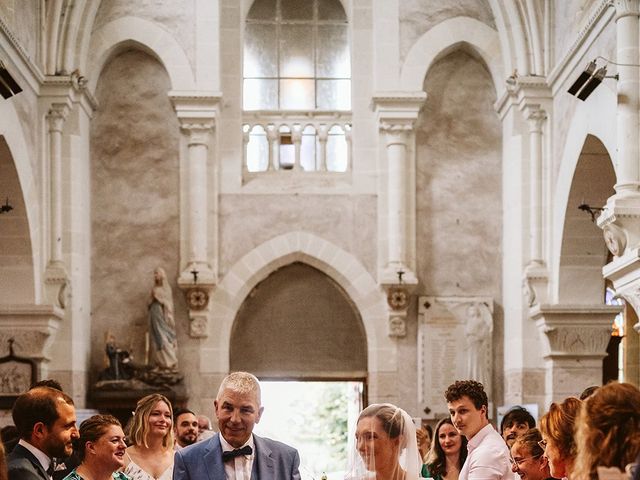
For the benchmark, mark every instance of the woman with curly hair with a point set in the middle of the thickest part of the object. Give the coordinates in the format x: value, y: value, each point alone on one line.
x: 448, y: 452
x: 608, y: 430
x: 557, y: 427
x: 150, y: 456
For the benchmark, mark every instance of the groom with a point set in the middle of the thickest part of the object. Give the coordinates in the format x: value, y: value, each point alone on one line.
x: 236, y: 453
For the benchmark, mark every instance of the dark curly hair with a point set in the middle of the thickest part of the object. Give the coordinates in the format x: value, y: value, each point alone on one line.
x: 517, y: 414
x: 470, y: 388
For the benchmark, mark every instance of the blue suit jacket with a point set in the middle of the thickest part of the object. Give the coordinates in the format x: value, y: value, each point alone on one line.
x: 203, y: 461
x: 23, y: 465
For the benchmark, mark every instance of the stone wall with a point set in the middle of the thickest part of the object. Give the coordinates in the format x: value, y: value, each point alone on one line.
x: 134, y: 202
x: 459, y: 199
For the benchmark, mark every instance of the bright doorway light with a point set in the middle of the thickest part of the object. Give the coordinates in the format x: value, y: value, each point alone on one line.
x: 317, y: 418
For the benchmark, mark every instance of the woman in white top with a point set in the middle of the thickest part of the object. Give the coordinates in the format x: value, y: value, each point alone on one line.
x: 385, y: 445
x: 150, y: 456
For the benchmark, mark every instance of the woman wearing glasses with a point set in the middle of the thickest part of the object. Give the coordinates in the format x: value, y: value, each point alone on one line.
x: 558, y: 441
x: 448, y: 453
x: 527, y: 457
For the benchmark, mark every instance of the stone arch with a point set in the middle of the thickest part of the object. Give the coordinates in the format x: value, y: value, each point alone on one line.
x: 446, y: 37
x: 590, y: 128
x: 12, y: 135
x: 344, y: 268
x: 149, y: 37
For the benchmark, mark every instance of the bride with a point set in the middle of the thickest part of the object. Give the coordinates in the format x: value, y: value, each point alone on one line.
x: 386, y: 447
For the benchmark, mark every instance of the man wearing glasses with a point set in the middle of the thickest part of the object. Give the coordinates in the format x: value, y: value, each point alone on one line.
x: 488, y: 457
x: 527, y: 457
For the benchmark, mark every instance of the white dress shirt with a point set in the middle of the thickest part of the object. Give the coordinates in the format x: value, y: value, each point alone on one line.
x: 239, y: 468
x: 488, y: 457
x: 42, y: 457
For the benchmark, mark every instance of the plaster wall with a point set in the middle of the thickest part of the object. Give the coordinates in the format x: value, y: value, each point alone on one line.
x: 134, y: 201
x: 23, y: 19
x: 177, y: 17
x: 301, y: 308
x: 564, y: 104
x: 418, y: 16
x: 569, y: 18
x: 247, y: 221
x: 459, y: 208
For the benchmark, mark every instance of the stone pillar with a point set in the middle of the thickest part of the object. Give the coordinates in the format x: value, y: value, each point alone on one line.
x: 396, y: 114
x: 535, y: 118
x: 574, y: 339
x: 197, y: 113
x: 620, y: 221
x: 323, y: 136
x: 628, y: 113
x: 56, y: 277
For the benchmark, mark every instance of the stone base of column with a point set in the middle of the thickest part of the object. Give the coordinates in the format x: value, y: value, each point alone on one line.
x: 574, y: 339
x: 524, y: 385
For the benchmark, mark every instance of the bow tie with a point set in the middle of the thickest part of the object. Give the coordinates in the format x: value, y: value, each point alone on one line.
x: 246, y: 450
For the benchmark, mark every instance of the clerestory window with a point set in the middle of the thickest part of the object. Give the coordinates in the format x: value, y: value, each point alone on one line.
x: 296, y: 56
x: 297, y: 86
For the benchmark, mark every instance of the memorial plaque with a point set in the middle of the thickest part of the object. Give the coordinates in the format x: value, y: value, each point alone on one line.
x: 444, y: 353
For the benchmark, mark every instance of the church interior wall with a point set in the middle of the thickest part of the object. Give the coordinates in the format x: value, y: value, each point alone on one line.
x: 129, y: 218
x: 23, y: 19
x: 346, y: 221
x: 177, y: 18
x: 134, y: 204
x: 418, y: 16
x: 459, y: 201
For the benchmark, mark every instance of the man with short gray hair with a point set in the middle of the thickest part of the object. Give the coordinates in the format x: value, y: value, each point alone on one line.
x: 236, y: 453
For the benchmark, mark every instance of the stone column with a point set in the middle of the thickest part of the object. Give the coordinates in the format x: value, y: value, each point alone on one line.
x: 620, y: 221
x: 323, y: 136
x: 197, y: 113
x: 535, y: 118
x: 574, y: 339
x: 396, y: 114
x: 56, y: 273
x: 628, y: 113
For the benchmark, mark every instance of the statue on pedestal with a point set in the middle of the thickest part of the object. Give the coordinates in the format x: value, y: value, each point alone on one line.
x: 478, y: 331
x: 162, y: 327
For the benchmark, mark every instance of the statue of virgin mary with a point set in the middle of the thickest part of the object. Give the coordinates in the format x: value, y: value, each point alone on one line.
x: 162, y: 327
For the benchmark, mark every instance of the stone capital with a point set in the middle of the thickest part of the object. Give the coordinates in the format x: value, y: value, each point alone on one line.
x: 626, y: 8
x: 33, y: 328
x: 624, y: 274
x: 199, y: 133
x: 620, y: 223
x: 56, y: 116
x: 398, y: 110
x: 536, y: 117
x: 574, y: 331
x: 196, y: 110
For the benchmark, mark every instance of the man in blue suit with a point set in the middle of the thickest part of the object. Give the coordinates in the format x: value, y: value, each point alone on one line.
x: 236, y: 453
x: 46, y: 422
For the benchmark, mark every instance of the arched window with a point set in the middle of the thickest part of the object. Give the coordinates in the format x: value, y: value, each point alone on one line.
x: 296, y: 56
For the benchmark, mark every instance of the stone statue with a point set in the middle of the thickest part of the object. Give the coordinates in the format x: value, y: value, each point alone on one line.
x: 120, y: 364
x: 162, y: 328
x: 478, y: 331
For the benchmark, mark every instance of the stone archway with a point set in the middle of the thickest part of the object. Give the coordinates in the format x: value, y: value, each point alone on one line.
x: 299, y: 307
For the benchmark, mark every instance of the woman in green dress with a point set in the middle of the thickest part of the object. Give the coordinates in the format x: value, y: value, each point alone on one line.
x: 448, y: 453
x: 100, y: 449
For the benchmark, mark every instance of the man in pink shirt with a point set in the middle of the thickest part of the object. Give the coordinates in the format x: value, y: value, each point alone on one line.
x: 488, y: 457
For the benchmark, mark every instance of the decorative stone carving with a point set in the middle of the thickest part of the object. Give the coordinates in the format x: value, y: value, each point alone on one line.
x: 454, y: 342
x: 397, y: 326
x: 197, y: 298
x: 615, y: 239
x: 574, y: 339
x: 32, y: 327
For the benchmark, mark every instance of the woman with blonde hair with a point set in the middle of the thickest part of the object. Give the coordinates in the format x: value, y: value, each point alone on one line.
x: 557, y: 427
x: 150, y: 456
x: 608, y: 430
x: 385, y: 445
x: 100, y: 449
